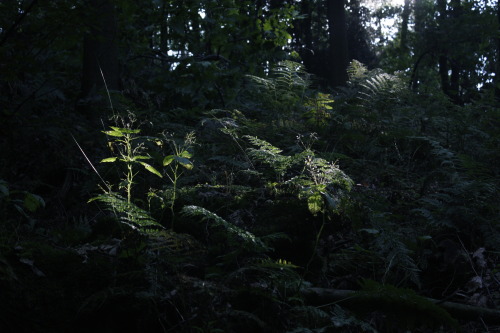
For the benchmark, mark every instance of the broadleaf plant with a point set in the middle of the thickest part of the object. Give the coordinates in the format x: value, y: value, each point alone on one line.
x: 128, y: 153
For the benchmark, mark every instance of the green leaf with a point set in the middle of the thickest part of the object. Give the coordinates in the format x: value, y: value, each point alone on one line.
x: 315, y: 203
x: 32, y: 202
x: 185, y: 154
x: 109, y: 159
x: 151, y: 169
x: 113, y: 133
x: 267, y: 26
x: 184, y: 162
x: 125, y: 130
x: 168, y: 159
x: 141, y: 157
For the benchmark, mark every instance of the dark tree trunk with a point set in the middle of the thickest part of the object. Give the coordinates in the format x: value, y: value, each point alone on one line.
x: 443, y: 74
x: 497, y: 67
x: 303, y: 35
x: 404, y: 25
x: 164, y: 47
x: 419, y: 13
x: 337, y: 28
x: 455, y: 83
x: 100, y: 52
x: 443, y: 49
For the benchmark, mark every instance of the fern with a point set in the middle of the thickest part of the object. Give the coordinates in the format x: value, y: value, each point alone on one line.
x: 284, y: 90
x: 390, y: 246
x: 247, y: 237
x: 270, y: 155
x: 128, y: 213
x: 356, y: 71
x: 290, y: 76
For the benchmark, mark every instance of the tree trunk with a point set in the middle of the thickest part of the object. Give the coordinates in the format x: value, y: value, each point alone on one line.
x: 164, y: 42
x: 419, y: 13
x: 100, y: 53
x: 497, y: 67
x: 337, y: 28
x: 443, y: 74
x: 443, y: 49
x: 454, y: 94
x: 404, y: 26
x: 303, y: 39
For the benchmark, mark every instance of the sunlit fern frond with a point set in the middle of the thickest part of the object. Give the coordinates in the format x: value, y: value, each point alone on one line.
x: 373, y: 88
x: 356, y: 71
x: 289, y: 75
x: 128, y: 213
x: 379, y: 87
x: 269, y: 154
x: 234, y: 231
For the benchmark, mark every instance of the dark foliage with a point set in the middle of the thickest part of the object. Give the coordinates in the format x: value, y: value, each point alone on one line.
x: 210, y: 183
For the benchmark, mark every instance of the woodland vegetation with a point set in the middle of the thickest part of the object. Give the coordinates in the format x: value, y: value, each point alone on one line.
x: 249, y: 166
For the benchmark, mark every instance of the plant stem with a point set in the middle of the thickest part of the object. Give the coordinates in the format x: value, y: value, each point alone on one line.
x: 174, y: 195
x: 316, y: 242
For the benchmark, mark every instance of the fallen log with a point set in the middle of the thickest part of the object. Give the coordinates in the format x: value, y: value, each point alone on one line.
x: 350, y: 299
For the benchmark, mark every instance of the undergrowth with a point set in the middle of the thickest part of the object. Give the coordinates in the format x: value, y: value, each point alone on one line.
x: 222, y: 226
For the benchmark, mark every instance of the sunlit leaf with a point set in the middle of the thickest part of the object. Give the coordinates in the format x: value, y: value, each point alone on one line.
x: 141, y: 157
x: 125, y: 130
x: 151, y: 169
x: 109, y: 159
x: 185, y: 154
x: 168, y: 159
x: 315, y: 203
x: 184, y: 162
x: 113, y: 133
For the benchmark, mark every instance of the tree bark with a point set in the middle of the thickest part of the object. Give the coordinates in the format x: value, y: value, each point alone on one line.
x: 337, y: 28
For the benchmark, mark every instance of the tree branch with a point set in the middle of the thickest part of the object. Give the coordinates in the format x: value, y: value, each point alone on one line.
x: 20, y: 18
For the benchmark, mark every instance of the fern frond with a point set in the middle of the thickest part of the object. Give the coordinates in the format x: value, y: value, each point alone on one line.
x: 289, y: 75
x: 356, y: 71
x: 205, y: 214
x: 128, y: 213
x: 269, y: 154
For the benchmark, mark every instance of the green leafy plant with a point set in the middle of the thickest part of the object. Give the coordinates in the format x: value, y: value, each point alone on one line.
x: 128, y: 213
x: 129, y: 153
x: 176, y: 163
x: 315, y: 178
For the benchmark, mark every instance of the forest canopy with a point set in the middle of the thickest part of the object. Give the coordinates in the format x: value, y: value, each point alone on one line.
x: 249, y: 166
